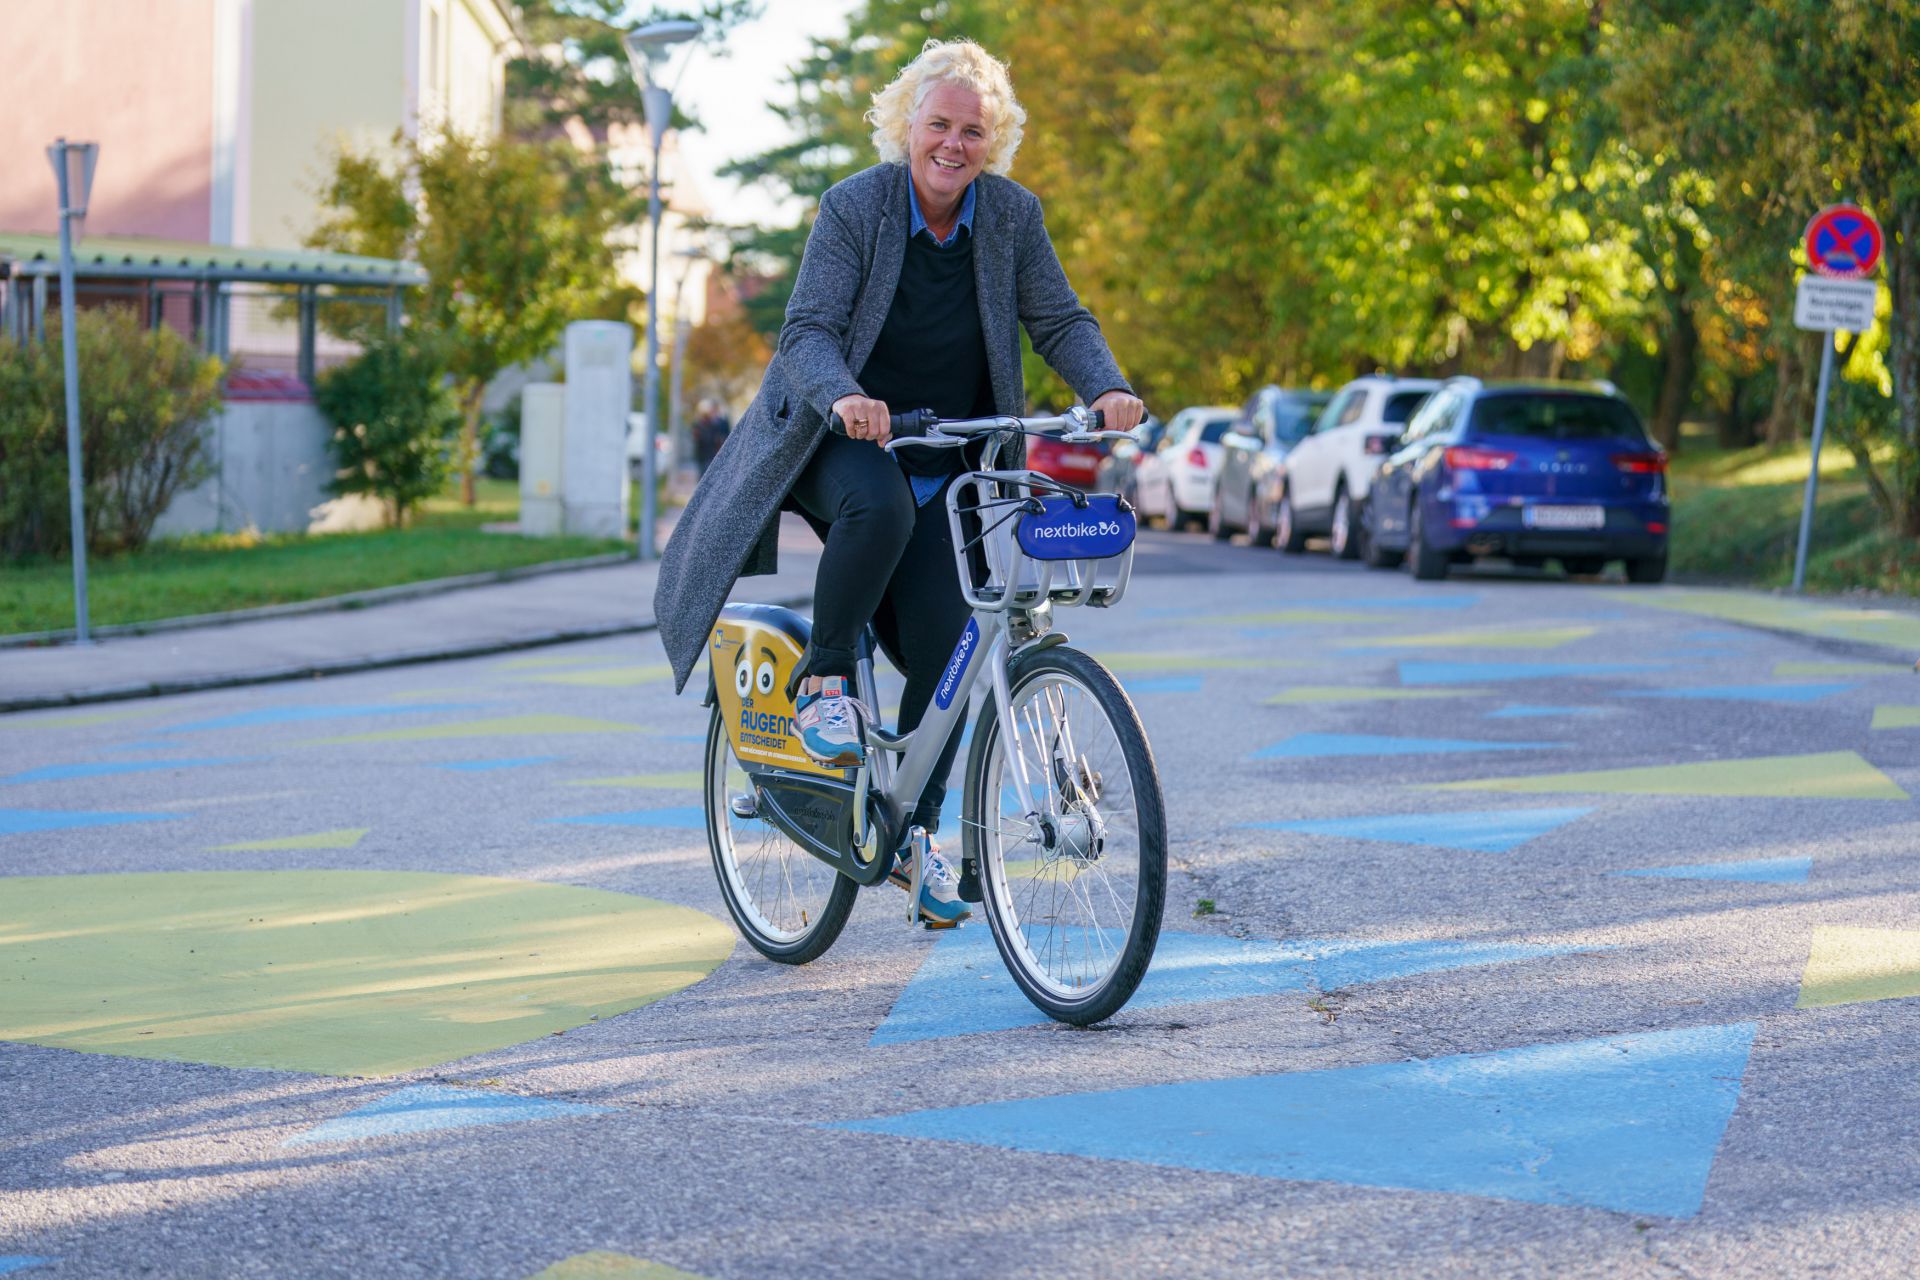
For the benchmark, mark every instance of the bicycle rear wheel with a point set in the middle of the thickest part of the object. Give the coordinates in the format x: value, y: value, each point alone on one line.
x: 787, y: 904
x: 1074, y: 888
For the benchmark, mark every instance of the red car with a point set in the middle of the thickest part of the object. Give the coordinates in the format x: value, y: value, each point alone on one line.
x: 1074, y: 464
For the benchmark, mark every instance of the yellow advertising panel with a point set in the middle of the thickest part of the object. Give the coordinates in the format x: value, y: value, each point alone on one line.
x: 752, y: 661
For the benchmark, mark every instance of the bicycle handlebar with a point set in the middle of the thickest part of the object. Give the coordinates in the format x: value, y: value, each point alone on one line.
x: 920, y: 426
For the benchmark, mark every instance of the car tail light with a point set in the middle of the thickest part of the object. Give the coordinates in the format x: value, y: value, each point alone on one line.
x: 1641, y: 464
x: 1654, y: 526
x: 1197, y: 457
x: 1463, y: 457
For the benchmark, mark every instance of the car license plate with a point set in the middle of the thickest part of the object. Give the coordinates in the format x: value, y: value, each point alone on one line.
x: 1564, y: 517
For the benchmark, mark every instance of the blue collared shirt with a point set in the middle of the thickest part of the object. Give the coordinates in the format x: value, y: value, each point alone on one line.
x: 916, y: 223
x: 925, y: 487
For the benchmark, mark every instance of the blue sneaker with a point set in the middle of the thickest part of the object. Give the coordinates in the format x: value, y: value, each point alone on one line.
x: 829, y: 722
x: 940, y: 904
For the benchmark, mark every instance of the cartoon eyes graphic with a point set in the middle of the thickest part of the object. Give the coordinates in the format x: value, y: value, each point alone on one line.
x: 743, y: 676
x: 765, y: 680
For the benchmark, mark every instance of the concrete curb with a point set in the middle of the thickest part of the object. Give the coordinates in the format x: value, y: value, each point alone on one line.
x: 326, y: 604
x: 345, y: 666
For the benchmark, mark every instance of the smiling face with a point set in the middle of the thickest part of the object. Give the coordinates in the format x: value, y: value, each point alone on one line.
x: 947, y: 146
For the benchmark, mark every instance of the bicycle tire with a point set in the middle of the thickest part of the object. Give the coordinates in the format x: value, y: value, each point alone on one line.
x: 816, y: 913
x: 1142, y: 837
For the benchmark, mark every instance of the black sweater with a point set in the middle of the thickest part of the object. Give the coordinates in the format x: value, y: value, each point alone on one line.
x: 931, y: 353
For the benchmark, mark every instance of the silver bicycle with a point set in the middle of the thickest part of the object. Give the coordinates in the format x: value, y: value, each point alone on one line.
x: 1062, y: 822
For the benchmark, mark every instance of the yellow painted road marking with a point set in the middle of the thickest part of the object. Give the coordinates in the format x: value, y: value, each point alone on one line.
x: 1830, y: 775
x: 1853, y: 966
x: 350, y: 973
x: 344, y: 838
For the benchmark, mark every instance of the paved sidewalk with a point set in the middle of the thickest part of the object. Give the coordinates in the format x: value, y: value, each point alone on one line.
x: 553, y: 609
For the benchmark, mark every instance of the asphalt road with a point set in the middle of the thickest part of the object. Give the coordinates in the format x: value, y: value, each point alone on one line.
x: 437, y: 982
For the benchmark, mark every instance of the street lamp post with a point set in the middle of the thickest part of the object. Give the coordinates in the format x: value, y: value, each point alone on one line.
x: 658, y: 102
x: 676, y: 406
x: 73, y: 168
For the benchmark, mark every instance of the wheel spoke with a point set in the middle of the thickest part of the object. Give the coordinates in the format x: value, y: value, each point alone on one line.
x: 1068, y: 926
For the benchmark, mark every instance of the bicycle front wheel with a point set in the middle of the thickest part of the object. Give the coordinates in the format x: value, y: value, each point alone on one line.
x: 787, y: 904
x: 1073, y: 886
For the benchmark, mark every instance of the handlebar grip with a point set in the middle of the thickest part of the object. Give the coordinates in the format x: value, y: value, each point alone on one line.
x: 914, y: 422
x: 1099, y: 417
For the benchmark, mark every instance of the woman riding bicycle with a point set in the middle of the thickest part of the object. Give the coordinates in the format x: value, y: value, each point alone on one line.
x: 916, y: 278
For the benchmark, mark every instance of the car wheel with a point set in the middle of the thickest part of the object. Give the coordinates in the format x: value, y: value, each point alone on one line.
x: 1346, y: 545
x: 1428, y: 564
x: 1259, y: 528
x: 1217, y: 519
x: 1287, y: 533
x: 1650, y: 570
x: 1583, y: 566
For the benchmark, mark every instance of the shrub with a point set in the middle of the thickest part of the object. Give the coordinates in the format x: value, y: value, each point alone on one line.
x: 394, y: 422
x: 145, y: 397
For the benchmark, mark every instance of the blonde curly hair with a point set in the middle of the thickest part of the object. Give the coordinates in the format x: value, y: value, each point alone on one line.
x: 960, y: 62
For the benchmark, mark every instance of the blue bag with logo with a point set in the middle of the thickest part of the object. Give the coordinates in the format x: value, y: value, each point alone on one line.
x: 1065, y: 531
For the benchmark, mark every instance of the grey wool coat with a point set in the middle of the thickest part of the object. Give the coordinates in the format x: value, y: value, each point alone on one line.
x: 845, y: 287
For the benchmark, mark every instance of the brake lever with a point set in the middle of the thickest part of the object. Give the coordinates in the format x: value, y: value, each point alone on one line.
x: 934, y: 439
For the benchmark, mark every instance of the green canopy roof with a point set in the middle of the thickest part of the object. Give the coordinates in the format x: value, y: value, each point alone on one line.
x: 141, y: 258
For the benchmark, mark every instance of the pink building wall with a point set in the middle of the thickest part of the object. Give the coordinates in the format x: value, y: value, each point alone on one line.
x: 136, y: 76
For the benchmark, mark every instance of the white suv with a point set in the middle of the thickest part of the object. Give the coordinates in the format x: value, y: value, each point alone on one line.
x: 1329, y: 474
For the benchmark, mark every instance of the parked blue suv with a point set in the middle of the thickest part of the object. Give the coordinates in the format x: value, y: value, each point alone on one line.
x: 1532, y: 471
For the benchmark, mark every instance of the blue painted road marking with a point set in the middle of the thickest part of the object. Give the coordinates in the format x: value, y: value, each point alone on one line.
x: 1321, y: 745
x: 1165, y: 684
x: 1488, y: 831
x: 962, y: 988
x: 15, y: 822
x: 1421, y: 673
x: 1526, y: 711
x: 424, y: 1108
x: 107, y: 769
x: 11, y: 1263
x: 303, y: 715
x: 1628, y: 1122
x: 1755, y: 870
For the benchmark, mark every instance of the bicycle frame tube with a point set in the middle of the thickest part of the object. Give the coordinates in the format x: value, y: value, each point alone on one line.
x: 986, y: 630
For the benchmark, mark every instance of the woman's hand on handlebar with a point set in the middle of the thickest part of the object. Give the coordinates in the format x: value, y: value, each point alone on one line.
x: 866, y: 419
x: 1121, y: 410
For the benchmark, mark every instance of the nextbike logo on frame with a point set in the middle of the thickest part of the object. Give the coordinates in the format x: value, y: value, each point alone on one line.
x: 1084, y: 529
x: 957, y: 664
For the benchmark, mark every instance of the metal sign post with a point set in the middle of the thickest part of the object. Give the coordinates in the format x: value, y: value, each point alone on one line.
x: 73, y: 167
x: 1843, y: 245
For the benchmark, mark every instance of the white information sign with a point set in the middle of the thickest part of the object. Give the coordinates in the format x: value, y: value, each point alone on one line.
x: 1824, y: 304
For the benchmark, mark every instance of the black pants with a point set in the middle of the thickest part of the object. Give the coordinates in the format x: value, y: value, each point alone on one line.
x: 890, y: 563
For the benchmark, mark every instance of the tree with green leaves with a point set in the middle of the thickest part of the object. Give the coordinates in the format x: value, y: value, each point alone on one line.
x: 513, y: 239
x: 1792, y: 105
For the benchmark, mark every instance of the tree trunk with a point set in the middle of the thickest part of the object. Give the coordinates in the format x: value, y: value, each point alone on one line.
x: 1736, y: 422
x: 1903, y: 356
x: 1676, y: 382
x: 469, y: 453
x: 1783, y: 423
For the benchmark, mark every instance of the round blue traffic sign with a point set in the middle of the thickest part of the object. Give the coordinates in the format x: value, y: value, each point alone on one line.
x: 1844, y: 241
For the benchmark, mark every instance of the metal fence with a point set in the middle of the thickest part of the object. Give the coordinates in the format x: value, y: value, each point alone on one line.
x: 295, y: 330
